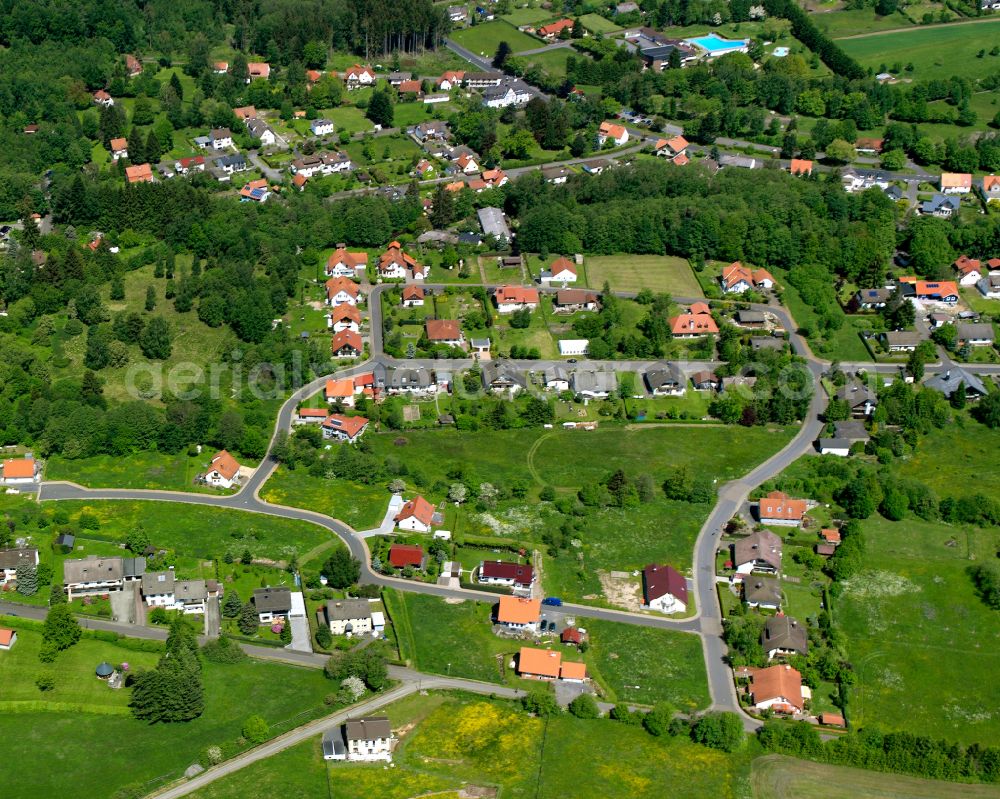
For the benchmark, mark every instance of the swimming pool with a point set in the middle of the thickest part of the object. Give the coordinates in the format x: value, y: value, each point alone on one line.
x: 716, y: 45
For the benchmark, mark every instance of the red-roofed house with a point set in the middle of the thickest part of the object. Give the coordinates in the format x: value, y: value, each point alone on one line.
x: 403, y: 555
x: 450, y: 80
x: 357, y: 76
x: 780, y: 509
x: 258, y: 69
x: 341, y: 391
x: 553, y: 29
x: 7, y: 639
x: 695, y: 321
x: 801, y: 166
x: 101, y: 97
x: 340, y: 290
x: 969, y: 270
x: 956, y: 182
x: 778, y: 688
x: 613, y: 132
x: 869, y: 146
x: 223, y: 471
x: 513, y: 298
x: 133, y: 65
x: 571, y: 635
x: 519, y: 613
x: 674, y: 148
x: 942, y: 291
x: 467, y: 163
x: 346, y: 344
x: 19, y: 470
x: 346, y: 264
x: 444, y: 331
x: 664, y: 589
x: 416, y: 515
x: 539, y: 664
x: 563, y: 270
x: 830, y: 535
x: 313, y: 75
x: 193, y: 164
x: 410, y: 87
x: 395, y: 264
x: 736, y: 279
x: 762, y: 279
x: 311, y: 415
x: 220, y: 67
x: 413, y: 296
x: 494, y: 178
x: 344, y: 317
x: 245, y: 112
x: 344, y: 428
x: 119, y: 148
x: 140, y: 173
x: 518, y: 576
x: 991, y: 187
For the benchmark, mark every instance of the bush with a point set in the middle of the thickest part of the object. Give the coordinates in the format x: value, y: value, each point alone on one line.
x: 45, y: 683
x: 223, y: 650
x: 542, y: 703
x: 255, y: 730
x: 584, y: 707
x: 324, y: 638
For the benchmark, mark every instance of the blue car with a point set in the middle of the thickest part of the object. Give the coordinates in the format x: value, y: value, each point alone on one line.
x: 552, y: 600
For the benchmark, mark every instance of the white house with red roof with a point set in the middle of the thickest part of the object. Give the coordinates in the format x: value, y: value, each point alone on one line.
x: 344, y: 428
x: 970, y: 270
x: 195, y: 163
x: 778, y: 688
x: 563, y: 270
x: 395, y: 264
x: 519, y: 577
x: 736, y: 279
x: 19, y: 470
x: 694, y: 322
x: 342, y: 390
x: 515, y: 298
x: 357, y: 76
x: 956, y: 182
x: 611, y: 131
x: 342, y: 263
x: 346, y: 344
x: 416, y: 515
x: 467, y: 164
x: 340, y: 290
x: 554, y: 29
x: 258, y: 69
x: 413, y: 296
x: 674, y: 148
x: 344, y: 317
x: 311, y: 415
x: 223, y: 471
x: 664, y: 589
x: 101, y: 97
x: 119, y: 148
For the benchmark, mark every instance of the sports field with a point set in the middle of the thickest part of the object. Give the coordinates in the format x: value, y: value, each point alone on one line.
x: 935, y: 52
x: 665, y: 273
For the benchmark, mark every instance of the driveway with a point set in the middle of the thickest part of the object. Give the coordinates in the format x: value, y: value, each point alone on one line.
x: 396, y: 503
x: 213, y: 618
x: 301, y: 639
x: 123, y: 604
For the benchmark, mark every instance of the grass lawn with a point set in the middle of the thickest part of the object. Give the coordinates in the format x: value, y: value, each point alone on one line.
x: 846, y: 22
x: 665, y: 273
x: 298, y: 771
x: 142, y: 470
x: 483, y: 39
x: 918, y: 635
x: 553, y: 62
x: 199, y: 531
x: 405, y: 115
x: 52, y: 753
x: 527, y: 16
x: 595, y: 23
x: 968, y: 448
x: 935, y: 52
x: 362, y: 507
x: 348, y: 118
x: 778, y: 777
x: 845, y: 344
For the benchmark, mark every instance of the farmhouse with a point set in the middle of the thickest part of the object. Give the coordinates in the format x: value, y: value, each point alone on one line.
x: 779, y: 509
x: 346, y: 616
x: 272, y: 604
x: 402, y: 556
x: 19, y: 470
x: 416, y: 515
x: 778, y: 688
x: 664, y: 589
x: 759, y: 551
x: 223, y: 470
x: 783, y: 635
x: 517, y: 613
x: 344, y: 428
x: 518, y: 576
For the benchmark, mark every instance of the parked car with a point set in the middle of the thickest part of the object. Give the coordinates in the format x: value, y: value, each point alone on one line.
x: 554, y: 601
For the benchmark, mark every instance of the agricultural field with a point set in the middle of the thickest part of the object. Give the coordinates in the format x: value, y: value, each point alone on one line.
x: 630, y: 664
x: 483, y: 39
x: 942, y: 51
x: 966, y: 448
x: 527, y: 16
x: 779, y: 777
x: 454, y: 741
x: 658, y: 273
x: 50, y: 732
x: 595, y: 23
x: 848, y: 22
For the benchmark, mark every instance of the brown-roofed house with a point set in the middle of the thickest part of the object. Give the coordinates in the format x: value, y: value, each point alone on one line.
x: 762, y: 592
x: 416, y: 515
x: 783, y: 635
x: 759, y: 551
x: 664, y: 589
x: 344, y: 428
x: 780, y: 509
x: 518, y: 576
x: 223, y: 470
x: 570, y: 300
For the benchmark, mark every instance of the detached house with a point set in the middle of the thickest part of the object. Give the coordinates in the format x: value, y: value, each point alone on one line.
x: 517, y: 576
x: 19, y: 471
x: 991, y: 187
x: 759, y: 551
x: 402, y: 556
x: 571, y: 300
x: 778, y: 688
x: 119, y: 148
x: 13, y: 559
x: 779, y: 509
x: 413, y: 296
x: 344, y: 317
x: 674, y: 148
x: 444, y: 331
x: 664, y: 589
x: 940, y: 205
x: 668, y: 382
x: 800, y: 166
x: 139, y: 173
x: 519, y: 613
x: 609, y: 131
x: 340, y: 290
x: 272, y: 604
x: 509, y: 299
x: 562, y: 270
x: 956, y: 182
x: 223, y: 471
x: 975, y: 334
x: 346, y: 344
x: 342, y: 391
x: 694, y: 322
x: 762, y: 592
x: 346, y: 264
x: 861, y: 399
x: 97, y: 575
x: 346, y: 616
x: 344, y: 428
x: 737, y: 278
x: 162, y: 590
x: 553, y: 29
x: 221, y: 138
x: 416, y: 515
x: 357, y: 76
x: 262, y: 132
x: 101, y: 97
x: 321, y: 127
x: 369, y: 739
x: 502, y: 378
x: 258, y: 69
x: 783, y: 635
x: 969, y: 270
x: 394, y: 264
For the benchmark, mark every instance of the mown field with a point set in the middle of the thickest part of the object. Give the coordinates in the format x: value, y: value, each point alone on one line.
x: 483, y: 39
x: 658, y: 273
x: 780, y: 777
x: 448, y: 742
x: 631, y: 664
x: 51, y: 749
x: 935, y: 52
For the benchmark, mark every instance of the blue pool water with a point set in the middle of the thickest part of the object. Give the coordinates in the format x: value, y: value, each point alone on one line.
x: 716, y: 44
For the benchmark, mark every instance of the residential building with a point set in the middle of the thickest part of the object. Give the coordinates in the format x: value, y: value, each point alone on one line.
x: 870, y: 299
x: 369, y: 739
x: 902, y: 340
x: 221, y: 138
x: 357, y: 76
x: 736, y: 279
x: 139, y: 173
x: 19, y: 471
x: 779, y: 509
x: 101, y: 97
x: 991, y: 187
x: 852, y: 430
x: 573, y: 346
x: 610, y: 131
x: 539, y: 664
x: 346, y: 616
x: 667, y: 382
x: 502, y: 378
x: 572, y: 300
x: 340, y: 290
x: 593, y: 384
x: 519, y: 613
x: 342, y: 391
x: 705, y: 380
x: 859, y: 396
x: 517, y: 576
x: 432, y: 130
x: 344, y: 317
x: 342, y: 263
x: 195, y: 163
x: 397, y: 78
x: 100, y: 575
x: 759, y: 551
x: 119, y: 148
x: 989, y: 286
x: 950, y: 381
x: 161, y: 589
x: 664, y: 589
x: 223, y: 470
x: 482, y: 80
x: 258, y: 69
x: 975, y: 334
x: 255, y: 191
x: 494, y: 224
x: 262, y: 132
x: 739, y: 161
x: 310, y: 415
x: 395, y: 264
x: 596, y: 166
x: 402, y: 556
x: 245, y: 112
x: 554, y: 29
x: 694, y: 322
x: 451, y: 79
x: 509, y: 299
x: 941, y: 206
x: 346, y: 344
x: 969, y: 270
x: 556, y: 378
x: 410, y: 87
x: 272, y: 603
x: 674, y: 148
x: 413, y: 296
x: 840, y: 447
x: 562, y: 270
x: 800, y: 166
x: 762, y: 592
x: 778, y: 688
x: 321, y: 127
x: 418, y: 382
x: 956, y: 182
x: 344, y: 428
x: 416, y: 515
x: 16, y: 558
x: 446, y: 332
x: 7, y: 639
x: 228, y: 164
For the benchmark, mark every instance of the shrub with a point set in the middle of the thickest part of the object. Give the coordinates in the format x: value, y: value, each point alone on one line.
x: 255, y: 729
